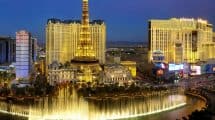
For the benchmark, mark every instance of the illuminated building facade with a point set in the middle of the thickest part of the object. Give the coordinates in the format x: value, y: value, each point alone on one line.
x: 117, y: 74
x: 58, y: 73
x: 23, y: 54
x: 98, y: 36
x: 181, y: 40
x: 62, y: 39
x: 40, y: 66
x: 85, y: 61
x: 82, y: 43
x: 85, y: 50
x: 7, y: 50
x: 158, y: 57
x: 131, y: 66
x: 113, y: 56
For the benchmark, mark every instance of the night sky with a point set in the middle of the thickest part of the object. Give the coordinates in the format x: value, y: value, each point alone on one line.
x: 126, y: 19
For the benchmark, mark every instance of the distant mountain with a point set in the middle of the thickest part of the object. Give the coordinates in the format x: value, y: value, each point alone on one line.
x: 125, y: 44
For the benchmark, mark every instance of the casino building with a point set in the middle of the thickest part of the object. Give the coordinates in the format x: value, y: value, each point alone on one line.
x: 181, y: 40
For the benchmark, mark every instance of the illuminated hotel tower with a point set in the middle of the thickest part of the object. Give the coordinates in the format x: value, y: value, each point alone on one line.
x: 85, y: 50
x: 23, y: 54
x: 181, y: 40
x: 81, y: 42
x: 85, y: 62
x: 68, y: 40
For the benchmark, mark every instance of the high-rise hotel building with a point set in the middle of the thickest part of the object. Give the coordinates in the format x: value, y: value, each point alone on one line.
x: 23, y: 54
x: 7, y: 50
x: 214, y: 37
x: 181, y: 40
x: 62, y: 40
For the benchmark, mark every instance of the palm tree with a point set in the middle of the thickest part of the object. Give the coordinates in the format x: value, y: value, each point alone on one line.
x: 89, y: 84
x: 0, y: 77
x: 5, y: 76
x: 40, y: 84
x: 67, y: 64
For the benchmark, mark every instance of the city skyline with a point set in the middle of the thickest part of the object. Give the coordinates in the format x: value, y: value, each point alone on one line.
x: 107, y: 60
x: 126, y: 22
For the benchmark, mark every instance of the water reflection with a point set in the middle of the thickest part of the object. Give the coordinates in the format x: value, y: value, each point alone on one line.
x: 71, y: 107
x: 193, y: 104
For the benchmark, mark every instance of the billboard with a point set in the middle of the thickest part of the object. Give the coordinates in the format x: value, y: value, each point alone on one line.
x: 210, y: 68
x: 160, y: 65
x: 186, y: 69
x: 176, y: 67
x: 195, y: 70
x: 158, y: 56
x: 213, y: 69
x: 159, y: 72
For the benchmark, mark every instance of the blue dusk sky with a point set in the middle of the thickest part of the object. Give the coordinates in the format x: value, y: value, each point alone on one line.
x: 126, y: 20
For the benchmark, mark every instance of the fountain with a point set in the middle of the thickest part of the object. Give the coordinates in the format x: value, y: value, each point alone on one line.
x: 71, y: 107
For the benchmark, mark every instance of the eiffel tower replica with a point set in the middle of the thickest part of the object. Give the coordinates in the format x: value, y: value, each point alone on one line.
x: 86, y: 65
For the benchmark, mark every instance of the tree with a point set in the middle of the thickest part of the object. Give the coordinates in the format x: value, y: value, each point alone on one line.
x: 4, y: 75
x: 40, y: 84
x: 1, y: 77
x: 67, y: 64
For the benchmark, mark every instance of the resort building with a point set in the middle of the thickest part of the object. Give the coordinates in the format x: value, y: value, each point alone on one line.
x: 7, y: 50
x: 131, y: 66
x: 181, y: 40
x: 23, y: 54
x: 62, y: 39
x: 117, y: 74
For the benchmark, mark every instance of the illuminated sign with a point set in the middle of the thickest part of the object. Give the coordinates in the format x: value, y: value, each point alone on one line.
x: 160, y: 72
x: 195, y: 70
x: 186, y: 69
x: 158, y: 56
x: 213, y: 69
x: 210, y: 68
x: 174, y: 67
x: 160, y: 65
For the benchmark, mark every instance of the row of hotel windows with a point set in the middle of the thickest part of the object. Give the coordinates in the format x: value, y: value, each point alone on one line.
x: 166, y: 47
x: 166, y: 38
x: 166, y: 34
x: 118, y: 79
x: 71, y: 30
x: 57, y: 34
x: 61, y: 76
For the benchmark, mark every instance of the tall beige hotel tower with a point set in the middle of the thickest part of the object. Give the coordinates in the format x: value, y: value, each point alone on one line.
x: 68, y: 40
x: 181, y: 40
x: 85, y: 50
x: 81, y: 43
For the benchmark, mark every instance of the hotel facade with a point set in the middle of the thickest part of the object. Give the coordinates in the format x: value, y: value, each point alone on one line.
x: 62, y: 40
x: 75, y: 51
x: 181, y: 40
x: 7, y: 50
x: 23, y: 54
